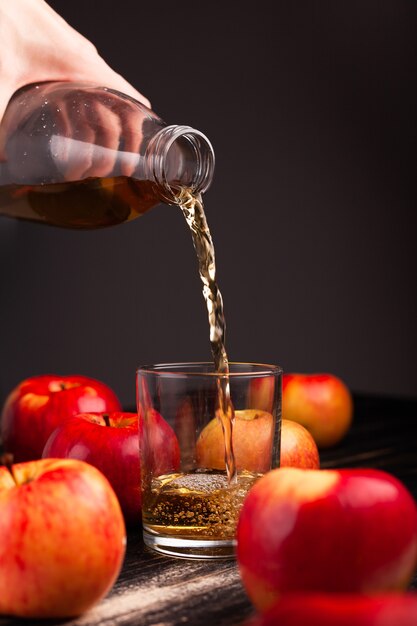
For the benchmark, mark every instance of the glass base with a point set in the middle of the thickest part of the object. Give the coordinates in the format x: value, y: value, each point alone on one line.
x: 190, y: 548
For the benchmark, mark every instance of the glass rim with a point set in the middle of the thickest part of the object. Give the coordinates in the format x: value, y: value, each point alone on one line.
x: 182, y: 369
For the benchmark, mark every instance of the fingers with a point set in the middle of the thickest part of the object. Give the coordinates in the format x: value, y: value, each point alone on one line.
x: 90, y: 139
x: 118, y: 135
x: 132, y: 122
x: 73, y: 148
x: 96, y: 138
x: 107, y: 138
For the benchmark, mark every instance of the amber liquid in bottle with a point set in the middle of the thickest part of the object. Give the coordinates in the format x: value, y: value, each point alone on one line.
x: 83, y: 204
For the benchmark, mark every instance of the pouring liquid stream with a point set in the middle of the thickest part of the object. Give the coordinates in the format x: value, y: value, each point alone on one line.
x: 193, y: 211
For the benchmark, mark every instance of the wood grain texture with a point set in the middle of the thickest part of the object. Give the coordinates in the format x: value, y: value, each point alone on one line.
x: 154, y: 590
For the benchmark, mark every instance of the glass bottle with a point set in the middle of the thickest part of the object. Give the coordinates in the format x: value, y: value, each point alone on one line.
x: 80, y: 156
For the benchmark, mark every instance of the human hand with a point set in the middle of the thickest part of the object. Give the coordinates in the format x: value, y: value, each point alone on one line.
x: 38, y: 46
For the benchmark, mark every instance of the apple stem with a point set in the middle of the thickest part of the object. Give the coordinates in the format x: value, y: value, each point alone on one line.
x: 6, y: 459
x: 106, y: 418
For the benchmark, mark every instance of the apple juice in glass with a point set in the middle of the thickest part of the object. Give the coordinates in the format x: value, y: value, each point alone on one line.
x: 192, y: 494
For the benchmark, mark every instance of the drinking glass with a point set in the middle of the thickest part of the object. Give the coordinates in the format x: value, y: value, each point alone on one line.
x: 191, y: 497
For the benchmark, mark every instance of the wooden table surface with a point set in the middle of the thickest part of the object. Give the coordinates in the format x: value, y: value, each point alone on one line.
x: 154, y: 590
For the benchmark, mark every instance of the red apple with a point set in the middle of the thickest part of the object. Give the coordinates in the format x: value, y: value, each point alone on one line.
x: 62, y: 538
x: 340, y: 610
x: 252, y: 443
x: 39, y: 404
x: 298, y: 448
x: 110, y: 442
x: 161, y: 446
x: 253, y: 435
x: 321, y: 403
x: 342, y: 531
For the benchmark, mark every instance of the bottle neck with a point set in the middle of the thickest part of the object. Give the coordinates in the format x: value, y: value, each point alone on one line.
x: 178, y: 157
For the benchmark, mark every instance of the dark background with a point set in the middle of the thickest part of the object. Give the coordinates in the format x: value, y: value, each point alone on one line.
x: 311, y: 108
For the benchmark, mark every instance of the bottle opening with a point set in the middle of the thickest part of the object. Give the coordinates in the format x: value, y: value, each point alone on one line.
x: 178, y: 157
